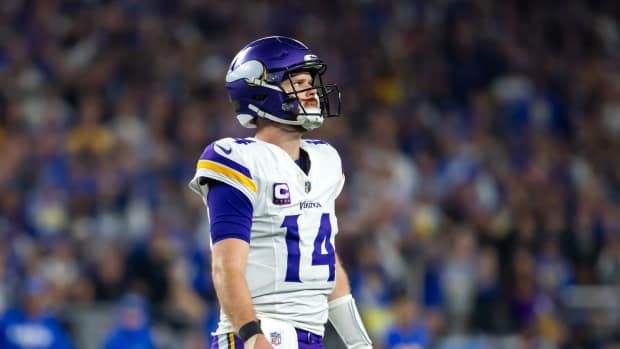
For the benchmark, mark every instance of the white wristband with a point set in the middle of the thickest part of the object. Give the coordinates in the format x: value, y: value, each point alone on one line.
x: 347, y: 322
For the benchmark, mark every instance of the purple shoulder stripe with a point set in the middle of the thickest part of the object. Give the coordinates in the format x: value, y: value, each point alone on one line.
x: 211, y: 155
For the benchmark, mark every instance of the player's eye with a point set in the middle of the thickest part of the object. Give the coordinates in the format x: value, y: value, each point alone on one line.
x: 303, y: 82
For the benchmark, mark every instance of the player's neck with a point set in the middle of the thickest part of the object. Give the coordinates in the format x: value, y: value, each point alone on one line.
x: 290, y: 141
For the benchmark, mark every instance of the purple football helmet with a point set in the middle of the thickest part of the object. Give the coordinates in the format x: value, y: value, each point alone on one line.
x: 254, y: 77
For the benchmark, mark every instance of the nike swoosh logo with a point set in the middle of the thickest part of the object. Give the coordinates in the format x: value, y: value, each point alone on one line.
x: 226, y: 151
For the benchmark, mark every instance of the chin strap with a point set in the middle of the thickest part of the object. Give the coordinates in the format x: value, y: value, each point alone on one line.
x: 309, y: 121
x: 346, y: 320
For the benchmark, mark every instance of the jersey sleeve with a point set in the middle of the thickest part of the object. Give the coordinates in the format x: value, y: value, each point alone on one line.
x: 230, y: 213
x: 224, y: 162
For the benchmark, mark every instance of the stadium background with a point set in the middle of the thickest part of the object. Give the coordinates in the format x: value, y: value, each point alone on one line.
x: 480, y: 141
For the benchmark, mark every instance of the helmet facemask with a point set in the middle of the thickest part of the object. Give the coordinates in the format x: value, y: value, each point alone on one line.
x: 311, y: 117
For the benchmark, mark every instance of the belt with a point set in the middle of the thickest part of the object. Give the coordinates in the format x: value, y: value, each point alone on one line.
x: 308, y: 337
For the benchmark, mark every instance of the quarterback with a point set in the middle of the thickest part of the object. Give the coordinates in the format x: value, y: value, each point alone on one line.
x: 270, y: 200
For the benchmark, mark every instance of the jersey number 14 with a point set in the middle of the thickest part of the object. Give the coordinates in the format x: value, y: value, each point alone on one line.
x: 318, y: 257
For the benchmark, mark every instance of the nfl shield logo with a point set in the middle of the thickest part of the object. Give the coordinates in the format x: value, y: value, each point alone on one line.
x: 276, y: 338
x: 308, y: 186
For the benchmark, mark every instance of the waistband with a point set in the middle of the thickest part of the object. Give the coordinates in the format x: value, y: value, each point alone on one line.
x: 308, y: 337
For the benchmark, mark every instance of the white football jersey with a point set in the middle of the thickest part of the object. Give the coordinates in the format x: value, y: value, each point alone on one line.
x: 291, y: 265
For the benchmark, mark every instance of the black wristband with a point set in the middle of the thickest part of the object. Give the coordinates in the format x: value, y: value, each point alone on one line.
x: 250, y: 329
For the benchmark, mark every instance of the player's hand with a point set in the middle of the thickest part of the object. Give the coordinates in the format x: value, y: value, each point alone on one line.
x: 258, y: 341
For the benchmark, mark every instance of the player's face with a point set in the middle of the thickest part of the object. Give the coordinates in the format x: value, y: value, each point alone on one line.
x: 299, y: 82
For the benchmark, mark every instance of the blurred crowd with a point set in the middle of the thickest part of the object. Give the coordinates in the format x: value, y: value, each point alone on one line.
x: 480, y: 141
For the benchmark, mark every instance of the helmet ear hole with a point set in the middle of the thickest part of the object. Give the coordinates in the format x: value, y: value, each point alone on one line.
x: 259, y: 98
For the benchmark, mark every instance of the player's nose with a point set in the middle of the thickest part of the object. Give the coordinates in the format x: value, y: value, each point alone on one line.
x: 310, y: 91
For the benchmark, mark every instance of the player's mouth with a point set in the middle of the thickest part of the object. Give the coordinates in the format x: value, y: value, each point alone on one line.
x: 311, y: 104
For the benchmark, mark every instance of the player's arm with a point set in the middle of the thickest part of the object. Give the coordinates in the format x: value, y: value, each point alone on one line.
x: 342, y: 287
x: 229, y: 258
x: 230, y: 214
x: 343, y: 313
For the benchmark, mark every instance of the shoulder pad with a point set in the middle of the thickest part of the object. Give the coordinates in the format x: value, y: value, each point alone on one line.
x: 321, y: 147
x: 224, y: 161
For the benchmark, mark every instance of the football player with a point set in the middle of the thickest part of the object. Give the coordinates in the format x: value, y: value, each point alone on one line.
x: 270, y: 200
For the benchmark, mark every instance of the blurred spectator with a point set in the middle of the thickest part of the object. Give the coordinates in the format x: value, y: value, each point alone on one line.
x: 131, y: 328
x: 524, y: 294
x: 107, y: 273
x: 30, y: 324
x: 372, y: 287
x: 553, y: 274
x: 492, y: 314
x: 408, y: 330
x: 146, y: 267
x: 458, y: 279
x: 183, y: 308
x: 608, y: 264
x: 89, y: 137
